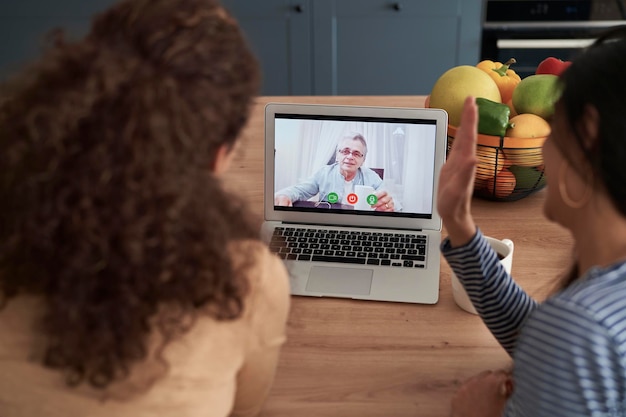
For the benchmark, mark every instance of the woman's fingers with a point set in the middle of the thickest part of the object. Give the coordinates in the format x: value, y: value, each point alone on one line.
x: 464, y: 146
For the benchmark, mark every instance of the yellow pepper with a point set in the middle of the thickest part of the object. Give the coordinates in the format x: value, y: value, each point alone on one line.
x: 506, y: 79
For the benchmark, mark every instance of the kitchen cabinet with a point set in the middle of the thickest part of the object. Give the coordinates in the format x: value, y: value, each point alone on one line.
x: 305, y: 47
x: 280, y: 34
x: 359, y: 47
x: 24, y: 25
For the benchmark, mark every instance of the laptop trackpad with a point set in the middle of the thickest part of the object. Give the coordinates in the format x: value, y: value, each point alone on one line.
x: 331, y: 280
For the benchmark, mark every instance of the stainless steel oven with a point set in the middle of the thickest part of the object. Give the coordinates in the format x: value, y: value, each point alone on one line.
x: 531, y: 31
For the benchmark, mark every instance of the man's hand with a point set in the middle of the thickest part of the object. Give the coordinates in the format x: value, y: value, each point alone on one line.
x: 282, y: 200
x: 384, y: 203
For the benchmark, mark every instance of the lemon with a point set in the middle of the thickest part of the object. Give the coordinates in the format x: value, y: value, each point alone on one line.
x: 528, y: 125
x: 454, y: 85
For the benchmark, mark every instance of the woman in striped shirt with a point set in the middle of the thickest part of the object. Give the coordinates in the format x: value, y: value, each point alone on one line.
x: 570, y: 351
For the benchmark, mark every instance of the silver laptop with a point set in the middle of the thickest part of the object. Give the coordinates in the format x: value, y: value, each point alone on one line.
x: 350, y: 199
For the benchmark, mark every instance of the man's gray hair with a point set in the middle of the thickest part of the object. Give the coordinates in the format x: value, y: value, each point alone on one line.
x: 353, y: 136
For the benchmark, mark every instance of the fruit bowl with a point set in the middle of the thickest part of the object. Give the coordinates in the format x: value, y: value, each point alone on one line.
x: 508, y: 169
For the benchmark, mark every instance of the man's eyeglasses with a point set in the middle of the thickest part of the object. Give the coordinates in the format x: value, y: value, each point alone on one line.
x: 348, y: 151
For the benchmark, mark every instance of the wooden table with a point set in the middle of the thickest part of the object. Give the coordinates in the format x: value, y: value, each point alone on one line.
x: 348, y: 358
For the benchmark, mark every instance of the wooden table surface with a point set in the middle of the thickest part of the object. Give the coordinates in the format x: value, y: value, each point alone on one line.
x: 348, y: 358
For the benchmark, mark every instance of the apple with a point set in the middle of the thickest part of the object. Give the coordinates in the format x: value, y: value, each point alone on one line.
x: 552, y: 65
x: 528, y: 178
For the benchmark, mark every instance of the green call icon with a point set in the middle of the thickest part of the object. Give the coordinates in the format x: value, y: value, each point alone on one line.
x: 333, y: 198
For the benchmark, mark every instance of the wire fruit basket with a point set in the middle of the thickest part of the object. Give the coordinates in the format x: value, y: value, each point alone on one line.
x: 508, y: 169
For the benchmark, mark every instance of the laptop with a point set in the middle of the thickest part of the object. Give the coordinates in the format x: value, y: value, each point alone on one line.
x: 350, y: 199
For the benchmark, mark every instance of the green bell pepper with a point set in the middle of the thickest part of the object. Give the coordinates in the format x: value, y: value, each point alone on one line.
x: 493, y: 117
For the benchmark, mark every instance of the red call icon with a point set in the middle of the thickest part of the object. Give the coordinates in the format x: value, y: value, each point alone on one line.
x: 352, y: 198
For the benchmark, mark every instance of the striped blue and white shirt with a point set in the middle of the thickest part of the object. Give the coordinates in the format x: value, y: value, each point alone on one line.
x: 569, y: 351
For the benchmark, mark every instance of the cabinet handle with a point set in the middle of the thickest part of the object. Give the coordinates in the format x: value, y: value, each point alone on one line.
x: 298, y: 8
x: 396, y: 6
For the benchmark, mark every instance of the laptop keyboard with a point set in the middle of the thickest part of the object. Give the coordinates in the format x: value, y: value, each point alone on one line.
x: 350, y: 246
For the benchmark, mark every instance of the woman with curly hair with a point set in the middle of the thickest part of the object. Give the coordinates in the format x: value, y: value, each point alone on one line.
x: 131, y: 282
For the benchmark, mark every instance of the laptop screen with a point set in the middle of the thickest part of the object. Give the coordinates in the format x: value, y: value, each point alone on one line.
x: 356, y: 165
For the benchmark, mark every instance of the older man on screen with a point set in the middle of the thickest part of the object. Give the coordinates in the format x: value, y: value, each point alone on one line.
x: 340, y: 178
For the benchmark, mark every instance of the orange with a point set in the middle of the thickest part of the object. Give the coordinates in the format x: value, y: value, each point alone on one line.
x: 502, y: 184
x: 511, y: 108
x: 528, y: 125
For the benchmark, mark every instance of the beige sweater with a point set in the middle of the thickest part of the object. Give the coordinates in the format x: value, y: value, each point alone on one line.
x: 216, y: 369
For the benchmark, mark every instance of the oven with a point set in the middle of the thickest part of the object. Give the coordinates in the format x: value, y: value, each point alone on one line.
x: 531, y: 31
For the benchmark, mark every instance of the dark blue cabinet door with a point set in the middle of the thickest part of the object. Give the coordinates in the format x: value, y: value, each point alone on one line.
x: 279, y: 32
x: 380, y: 47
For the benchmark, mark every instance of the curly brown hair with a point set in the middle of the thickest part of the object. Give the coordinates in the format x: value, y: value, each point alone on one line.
x: 108, y: 207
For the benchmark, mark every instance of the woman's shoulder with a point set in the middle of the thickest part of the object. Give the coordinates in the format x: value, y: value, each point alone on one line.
x: 257, y: 256
x: 599, y: 294
x: 268, y: 301
x: 266, y: 273
x: 17, y: 318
